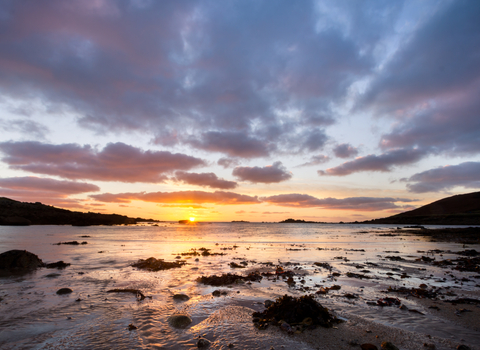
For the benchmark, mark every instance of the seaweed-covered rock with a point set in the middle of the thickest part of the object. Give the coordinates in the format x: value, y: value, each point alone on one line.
x: 152, y: 264
x: 302, y: 312
x: 57, y: 265
x: 19, y: 261
x: 228, y: 278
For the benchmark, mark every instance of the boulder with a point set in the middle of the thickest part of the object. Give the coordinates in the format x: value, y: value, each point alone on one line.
x: 179, y: 320
x: 19, y: 261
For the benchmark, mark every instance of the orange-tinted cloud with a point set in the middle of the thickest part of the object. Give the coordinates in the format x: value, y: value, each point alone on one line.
x: 196, y: 197
x: 296, y: 200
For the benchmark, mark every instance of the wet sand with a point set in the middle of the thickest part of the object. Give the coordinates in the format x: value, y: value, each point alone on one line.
x: 369, y: 265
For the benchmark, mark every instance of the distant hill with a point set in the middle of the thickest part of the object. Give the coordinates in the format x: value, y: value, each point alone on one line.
x: 463, y: 209
x: 21, y: 214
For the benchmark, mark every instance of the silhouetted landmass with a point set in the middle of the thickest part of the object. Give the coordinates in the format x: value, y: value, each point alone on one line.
x: 14, y: 213
x: 463, y: 209
x: 293, y: 221
x: 240, y: 221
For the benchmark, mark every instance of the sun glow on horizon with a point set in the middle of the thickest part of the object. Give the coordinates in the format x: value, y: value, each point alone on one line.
x: 192, y: 219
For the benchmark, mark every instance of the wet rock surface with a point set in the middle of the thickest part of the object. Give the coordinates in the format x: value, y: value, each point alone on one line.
x: 152, y: 264
x: 228, y: 278
x: 299, y: 312
x: 57, y: 265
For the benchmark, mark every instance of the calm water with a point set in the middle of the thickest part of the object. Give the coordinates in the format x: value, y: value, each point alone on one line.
x: 34, y: 316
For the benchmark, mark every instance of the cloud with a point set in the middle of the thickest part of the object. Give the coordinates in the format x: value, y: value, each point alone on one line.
x: 445, y: 178
x: 116, y: 162
x: 176, y: 70
x: 275, y: 212
x: 180, y: 197
x: 315, y: 160
x: 25, y: 126
x: 296, y: 200
x: 383, y: 162
x: 190, y: 206
x: 32, y: 183
x: 432, y: 83
x: 240, y: 212
x: 205, y: 179
x: 48, y: 191
x: 268, y: 174
x: 228, y: 162
x: 234, y: 144
x: 345, y: 150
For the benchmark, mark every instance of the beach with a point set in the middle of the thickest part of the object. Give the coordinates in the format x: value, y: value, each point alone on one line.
x: 383, y: 283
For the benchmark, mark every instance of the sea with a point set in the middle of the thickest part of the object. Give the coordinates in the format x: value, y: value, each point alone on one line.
x: 34, y: 316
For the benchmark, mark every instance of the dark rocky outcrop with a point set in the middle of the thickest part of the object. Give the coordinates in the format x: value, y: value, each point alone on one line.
x: 14, y: 213
x: 19, y: 261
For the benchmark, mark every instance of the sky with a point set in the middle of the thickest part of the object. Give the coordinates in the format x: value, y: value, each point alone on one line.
x: 239, y: 110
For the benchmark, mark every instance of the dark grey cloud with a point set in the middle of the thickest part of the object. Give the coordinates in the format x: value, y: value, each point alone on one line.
x: 431, y: 85
x: 193, y: 70
x: 296, y: 200
x: 115, y: 162
x: 445, y: 178
x: 268, y: 174
x: 345, y: 150
x: 384, y: 162
x: 234, y: 144
x: 205, y: 179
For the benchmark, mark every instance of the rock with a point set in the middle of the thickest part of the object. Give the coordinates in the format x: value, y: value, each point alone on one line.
x: 131, y: 327
x: 179, y: 321
x: 429, y: 346
x: 268, y: 303
x: 181, y: 297
x: 463, y: 347
x: 368, y: 346
x: 386, y: 345
x: 203, y: 343
x: 62, y: 291
x: 19, y: 261
x: 57, y: 265
x: 152, y: 264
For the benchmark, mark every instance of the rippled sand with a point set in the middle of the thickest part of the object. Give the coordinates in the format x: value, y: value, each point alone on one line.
x: 34, y: 316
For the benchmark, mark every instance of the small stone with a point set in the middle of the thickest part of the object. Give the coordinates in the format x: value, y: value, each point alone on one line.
x: 131, y: 327
x: 202, y: 343
x: 62, y: 291
x: 462, y: 347
x: 179, y: 321
x: 230, y: 345
x: 386, y: 345
x: 429, y: 346
x: 181, y: 297
x: 368, y: 346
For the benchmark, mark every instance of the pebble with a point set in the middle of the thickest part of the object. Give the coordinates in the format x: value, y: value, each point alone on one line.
x: 62, y: 291
x: 386, y: 345
x: 181, y: 297
x: 368, y: 346
x: 179, y: 320
x: 202, y: 342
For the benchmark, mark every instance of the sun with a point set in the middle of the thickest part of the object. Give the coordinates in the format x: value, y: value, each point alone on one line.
x: 192, y: 219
